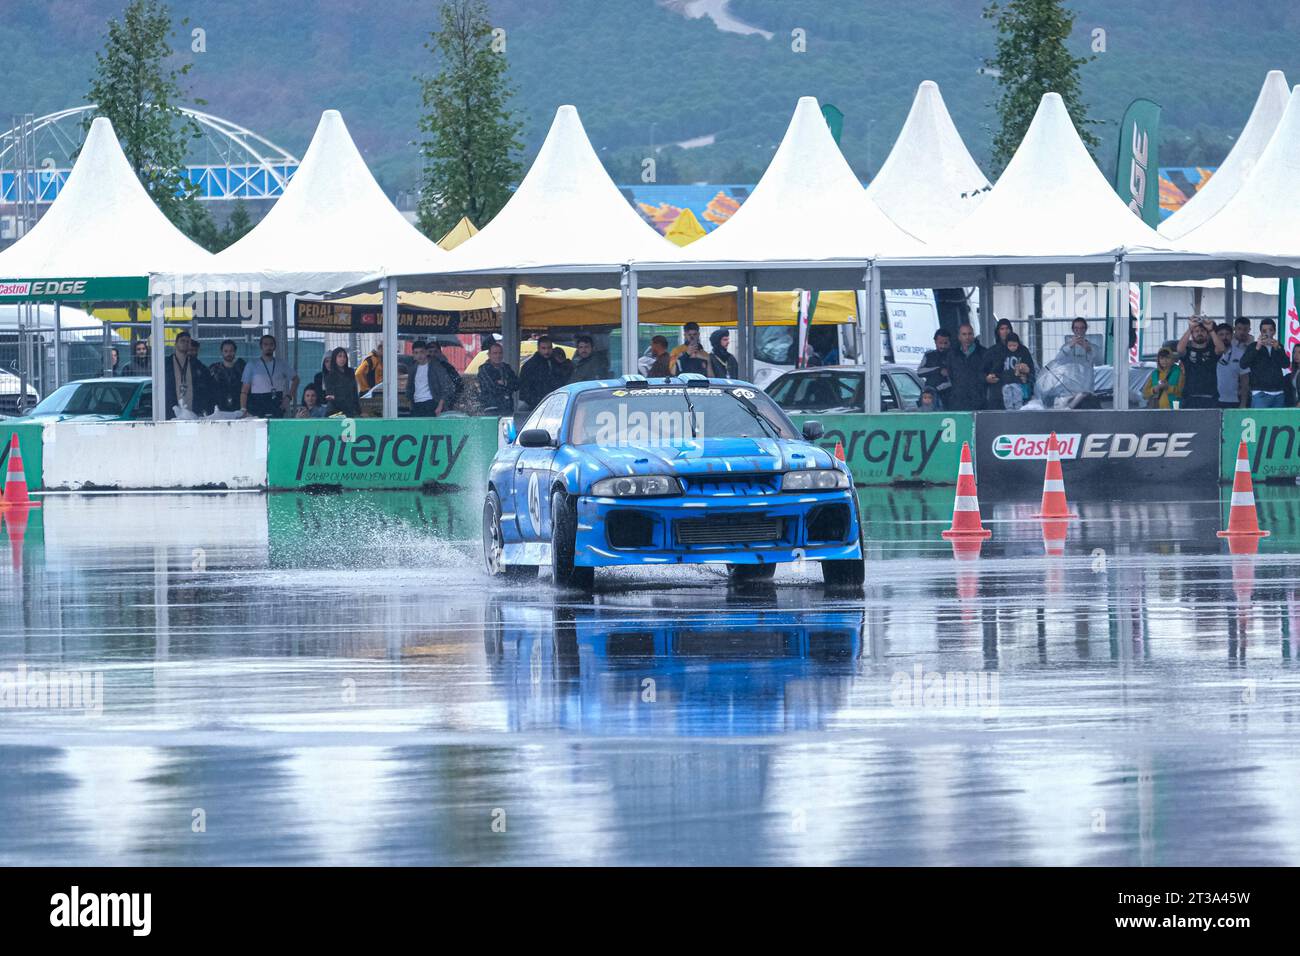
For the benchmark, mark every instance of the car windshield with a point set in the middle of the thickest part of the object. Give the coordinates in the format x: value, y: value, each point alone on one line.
x: 814, y: 390
x: 650, y: 416
x: 87, y: 398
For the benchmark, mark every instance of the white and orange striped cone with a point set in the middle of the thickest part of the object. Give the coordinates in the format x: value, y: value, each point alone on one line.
x: 1054, y: 504
x: 1054, y: 534
x: 966, y: 506
x: 965, y: 551
x: 15, y: 490
x: 839, y: 451
x: 1243, y: 522
x: 15, y: 522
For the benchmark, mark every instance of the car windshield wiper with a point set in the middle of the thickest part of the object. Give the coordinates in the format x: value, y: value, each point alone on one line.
x: 690, y: 411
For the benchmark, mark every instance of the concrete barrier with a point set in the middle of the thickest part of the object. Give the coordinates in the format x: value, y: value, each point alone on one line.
x: 84, y: 456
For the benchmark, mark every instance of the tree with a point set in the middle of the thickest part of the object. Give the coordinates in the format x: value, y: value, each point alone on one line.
x: 137, y: 85
x: 471, y: 135
x: 1031, y: 60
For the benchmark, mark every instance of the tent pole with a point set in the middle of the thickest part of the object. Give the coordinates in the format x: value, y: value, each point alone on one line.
x: 390, y: 348
x: 1230, y: 298
x: 628, y: 319
x: 745, y: 327
x: 1119, y: 334
x: 58, y: 344
x: 987, y: 319
x: 157, y: 358
x: 1238, y: 301
x: 871, y: 337
x: 510, y: 324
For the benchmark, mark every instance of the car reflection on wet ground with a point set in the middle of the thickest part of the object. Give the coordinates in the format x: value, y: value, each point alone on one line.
x: 331, y: 679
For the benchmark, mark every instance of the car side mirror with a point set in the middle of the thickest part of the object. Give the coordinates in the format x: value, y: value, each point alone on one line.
x: 535, y: 438
x: 813, y: 431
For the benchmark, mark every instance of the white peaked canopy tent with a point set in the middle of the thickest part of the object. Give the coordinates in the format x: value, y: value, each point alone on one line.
x: 333, y: 229
x: 102, y: 226
x: 1052, y: 214
x: 929, y: 182
x: 1260, y: 225
x: 566, y: 226
x: 1236, y: 168
x: 808, y: 224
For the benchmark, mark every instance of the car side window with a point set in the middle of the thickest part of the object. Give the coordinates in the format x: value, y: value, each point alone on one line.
x: 909, y: 392
x: 553, y: 415
x: 534, y: 420
x: 144, y: 407
x: 886, y: 395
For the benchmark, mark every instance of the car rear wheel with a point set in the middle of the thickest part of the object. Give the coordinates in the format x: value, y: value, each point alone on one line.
x: 564, y: 535
x: 751, y: 572
x: 494, y: 544
x: 848, y: 575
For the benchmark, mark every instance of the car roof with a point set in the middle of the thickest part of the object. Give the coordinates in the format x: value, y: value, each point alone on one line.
x: 575, y: 388
x: 884, y: 367
x: 132, y: 379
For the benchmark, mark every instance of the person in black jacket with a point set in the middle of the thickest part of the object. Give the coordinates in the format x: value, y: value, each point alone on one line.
x: 339, y: 385
x: 588, y: 364
x: 934, y: 370
x: 1009, y: 364
x: 542, y: 374
x: 186, y: 379
x: 227, y: 377
x: 458, y: 386
x: 966, y: 373
x: 1267, y: 363
x: 497, y: 383
x: 722, y: 364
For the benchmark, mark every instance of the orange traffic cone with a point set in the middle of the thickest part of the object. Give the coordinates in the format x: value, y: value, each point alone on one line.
x: 839, y: 451
x: 1242, y: 520
x: 966, y: 507
x: 15, y: 493
x: 1054, y: 504
x: 1054, y: 534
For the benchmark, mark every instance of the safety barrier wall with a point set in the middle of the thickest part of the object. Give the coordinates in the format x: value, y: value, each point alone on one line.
x: 379, y: 453
x: 85, y: 456
x: 893, y: 448
x: 1108, y: 454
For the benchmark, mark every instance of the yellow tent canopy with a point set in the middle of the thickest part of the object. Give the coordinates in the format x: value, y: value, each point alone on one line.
x: 707, y: 305
x: 458, y: 233
x: 685, y: 229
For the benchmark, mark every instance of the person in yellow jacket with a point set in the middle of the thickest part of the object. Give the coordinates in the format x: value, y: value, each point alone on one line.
x: 371, y: 370
x: 1165, y: 385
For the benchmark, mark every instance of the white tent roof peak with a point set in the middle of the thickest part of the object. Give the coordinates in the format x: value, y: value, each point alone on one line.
x: 1051, y: 202
x: 809, y: 205
x: 566, y: 212
x: 103, y: 223
x: 333, y: 227
x: 1237, y: 166
x: 1259, y: 222
x: 929, y: 182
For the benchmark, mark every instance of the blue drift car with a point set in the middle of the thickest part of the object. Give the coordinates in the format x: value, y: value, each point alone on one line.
x: 686, y: 470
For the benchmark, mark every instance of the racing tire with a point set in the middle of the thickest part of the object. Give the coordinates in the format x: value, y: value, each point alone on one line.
x: 564, y: 536
x: 848, y: 575
x: 746, y: 573
x: 494, y: 544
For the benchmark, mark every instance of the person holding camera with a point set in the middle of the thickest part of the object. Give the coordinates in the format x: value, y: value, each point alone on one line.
x: 267, y: 384
x: 1267, y: 363
x: 1198, y: 351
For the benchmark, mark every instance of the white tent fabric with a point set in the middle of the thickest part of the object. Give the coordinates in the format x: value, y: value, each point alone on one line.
x: 809, y: 206
x: 1236, y: 168
x: 103, y: 225
x: 566, y: 217
x: 929, y: 182
x: 332, y: 229
x: 1051, y: 202
x: 1261, y: 223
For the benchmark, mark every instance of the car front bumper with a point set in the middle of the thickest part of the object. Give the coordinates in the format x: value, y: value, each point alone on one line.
x: 799, y: 524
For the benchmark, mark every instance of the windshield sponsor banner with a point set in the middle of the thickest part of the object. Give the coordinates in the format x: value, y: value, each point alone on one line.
x: 919, y: 447
x: 1107, y: 453
x: 1272, y: 437
x: 125, y: 289
x: 379, y: 453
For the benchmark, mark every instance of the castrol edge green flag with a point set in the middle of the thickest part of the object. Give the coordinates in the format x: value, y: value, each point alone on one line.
x: 1137, y: 180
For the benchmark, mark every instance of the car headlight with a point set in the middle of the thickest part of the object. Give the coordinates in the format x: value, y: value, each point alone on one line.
x: 814, y: 479
x: 637, y: 486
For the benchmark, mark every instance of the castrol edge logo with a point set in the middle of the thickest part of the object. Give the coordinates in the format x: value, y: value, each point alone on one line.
x: 1030, y: 447
x: 1096, y: 445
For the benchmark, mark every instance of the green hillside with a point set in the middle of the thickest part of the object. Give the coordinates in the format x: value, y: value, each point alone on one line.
x: 639, y: 70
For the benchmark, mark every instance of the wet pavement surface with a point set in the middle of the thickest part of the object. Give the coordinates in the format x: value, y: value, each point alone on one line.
x: 297, y: 679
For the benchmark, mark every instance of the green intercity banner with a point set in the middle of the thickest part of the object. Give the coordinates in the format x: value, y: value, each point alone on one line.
x: 29, y: 443
x: 380, y: 453
x: 117, y: 289
x: 898, y: 447
x: 1272, y: 437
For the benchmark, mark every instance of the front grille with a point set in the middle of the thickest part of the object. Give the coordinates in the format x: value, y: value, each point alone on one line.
x: 729, y: 529
x: 724, y: 483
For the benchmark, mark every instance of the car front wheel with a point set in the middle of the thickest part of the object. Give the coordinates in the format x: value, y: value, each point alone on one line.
x: 564, y: 535
x: 848, y: 575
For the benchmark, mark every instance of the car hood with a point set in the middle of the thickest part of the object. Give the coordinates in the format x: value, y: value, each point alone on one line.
x: 706, y: 455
